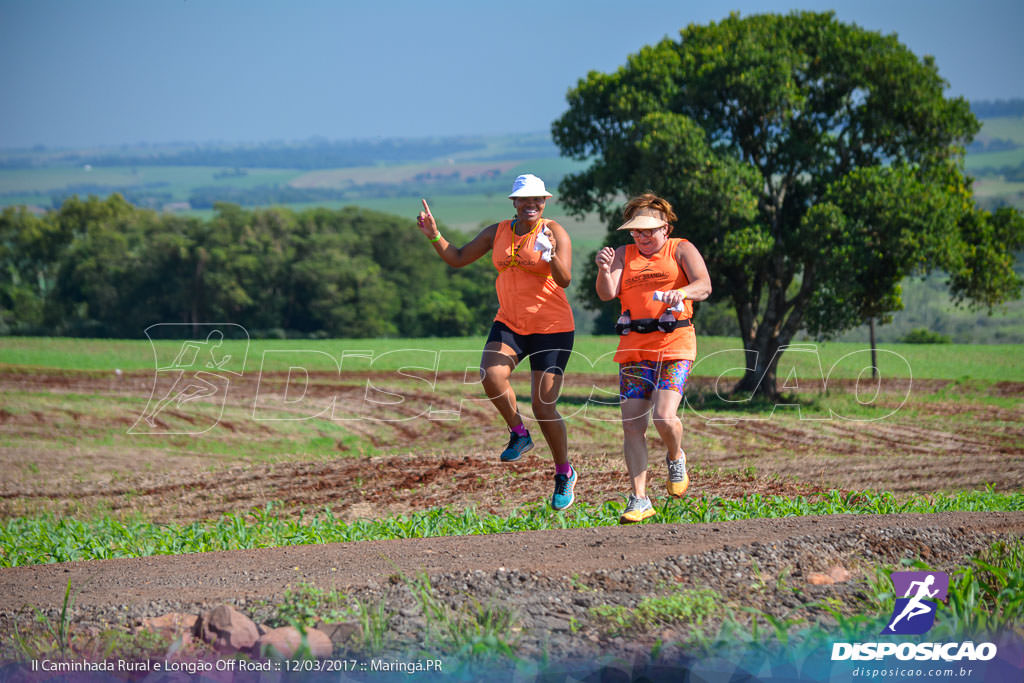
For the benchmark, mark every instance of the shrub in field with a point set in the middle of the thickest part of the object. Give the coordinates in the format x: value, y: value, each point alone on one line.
x: 987, y: 596
x: 54, y: 638
x: 688, y: 606
x: 306, y: 604
x: 925, y: 336
x: 470, y: 631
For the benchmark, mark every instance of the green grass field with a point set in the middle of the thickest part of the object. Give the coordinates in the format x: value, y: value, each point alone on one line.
x: 719, y: 356
x: 1003, y: 127
x: 1010, y: 157
x: 992, y: 187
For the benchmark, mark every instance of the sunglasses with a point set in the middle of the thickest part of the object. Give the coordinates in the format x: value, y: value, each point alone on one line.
x: 644, y: 234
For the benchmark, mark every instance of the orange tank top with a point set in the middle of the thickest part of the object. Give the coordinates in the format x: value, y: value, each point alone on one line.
x: 641, y: 277
x: 529, y: 299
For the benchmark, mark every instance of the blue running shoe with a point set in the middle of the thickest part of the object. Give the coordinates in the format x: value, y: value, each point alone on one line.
x: 517, y: 445
x: 565, y: 488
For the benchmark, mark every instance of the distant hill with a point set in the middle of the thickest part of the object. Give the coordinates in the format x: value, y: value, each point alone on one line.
x: 990, y: 109
x: 197, y: 176
x: 315, y: 153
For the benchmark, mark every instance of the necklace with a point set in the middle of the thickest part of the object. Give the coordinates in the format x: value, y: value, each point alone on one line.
x: 519, y: 240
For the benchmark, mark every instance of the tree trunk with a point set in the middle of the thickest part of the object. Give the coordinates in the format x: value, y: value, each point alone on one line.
x: 874, y: 354
x: 762, y: 360
x: 198, y: 290
x: 762, y: 340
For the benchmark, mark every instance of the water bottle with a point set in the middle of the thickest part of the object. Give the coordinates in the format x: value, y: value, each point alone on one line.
x: 667, y: 321
x: 622, y: 324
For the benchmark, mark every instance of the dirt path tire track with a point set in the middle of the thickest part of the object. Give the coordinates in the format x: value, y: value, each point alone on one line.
x: 210, y: 578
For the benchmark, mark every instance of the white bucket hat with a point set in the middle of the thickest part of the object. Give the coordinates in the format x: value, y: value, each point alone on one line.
x: 528, y: 185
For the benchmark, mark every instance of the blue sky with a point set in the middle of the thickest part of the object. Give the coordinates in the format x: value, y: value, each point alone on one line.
x: 110, y: 72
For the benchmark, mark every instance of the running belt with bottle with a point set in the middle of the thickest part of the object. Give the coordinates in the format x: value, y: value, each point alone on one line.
x: 661, y: 334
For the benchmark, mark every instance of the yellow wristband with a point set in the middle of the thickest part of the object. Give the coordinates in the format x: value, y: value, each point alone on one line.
x: 436, y: 238
x: 682, y: 292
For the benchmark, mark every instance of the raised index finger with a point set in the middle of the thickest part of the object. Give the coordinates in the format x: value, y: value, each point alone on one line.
x: 426, y: 207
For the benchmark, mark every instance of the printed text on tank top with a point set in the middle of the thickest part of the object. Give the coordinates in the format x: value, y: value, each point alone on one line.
x: 649, y: 272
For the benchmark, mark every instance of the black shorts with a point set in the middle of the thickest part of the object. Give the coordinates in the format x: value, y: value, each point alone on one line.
x: 547, y: 352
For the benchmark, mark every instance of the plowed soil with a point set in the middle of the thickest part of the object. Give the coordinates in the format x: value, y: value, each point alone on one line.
x: 60, y: 456
x: 72, y: 451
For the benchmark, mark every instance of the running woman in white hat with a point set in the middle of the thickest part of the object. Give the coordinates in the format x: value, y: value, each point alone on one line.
x: 533, y: 256
x: 656, y: 279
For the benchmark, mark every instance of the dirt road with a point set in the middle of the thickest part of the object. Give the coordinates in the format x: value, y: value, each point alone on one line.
x: 264, y: 573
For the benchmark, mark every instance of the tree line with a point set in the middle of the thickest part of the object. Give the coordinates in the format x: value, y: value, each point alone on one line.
x: 990, y: 109
x: 102, y: 267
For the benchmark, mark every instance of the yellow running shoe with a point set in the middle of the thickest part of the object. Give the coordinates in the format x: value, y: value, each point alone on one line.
x: 678, y: 479
x: 637, y: 510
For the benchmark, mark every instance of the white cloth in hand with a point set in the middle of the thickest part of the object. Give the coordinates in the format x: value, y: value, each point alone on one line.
x: 660, y: 296
x: 543, y: 245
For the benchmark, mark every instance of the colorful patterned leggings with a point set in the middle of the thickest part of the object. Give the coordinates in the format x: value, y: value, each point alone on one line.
x: 639, y: 379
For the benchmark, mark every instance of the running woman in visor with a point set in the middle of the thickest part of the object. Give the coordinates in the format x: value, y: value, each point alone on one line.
x: 656, y: 279
x: 533, y: 257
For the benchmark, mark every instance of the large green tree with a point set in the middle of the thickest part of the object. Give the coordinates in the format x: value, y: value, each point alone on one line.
x: 30, y: 248
x: 815, y: 164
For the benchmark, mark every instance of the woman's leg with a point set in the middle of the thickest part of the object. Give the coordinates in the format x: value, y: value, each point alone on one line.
x: 672, y: 377
x: 635, y: 414
x: 666, y: 421
x: 496, y: 366
x: 545, y: 388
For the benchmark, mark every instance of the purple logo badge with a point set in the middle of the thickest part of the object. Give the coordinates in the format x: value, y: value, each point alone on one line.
x: 916, y: 596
